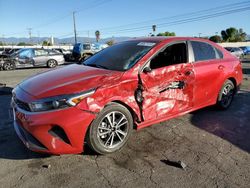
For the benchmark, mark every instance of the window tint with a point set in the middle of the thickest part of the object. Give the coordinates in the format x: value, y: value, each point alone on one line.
x: 121, y: 56
x: 54, y: 52
x: 26, y: 53
x: 219, y: 54
x: 40, y: 52
x: 173, y: 54
x: 203, y: 51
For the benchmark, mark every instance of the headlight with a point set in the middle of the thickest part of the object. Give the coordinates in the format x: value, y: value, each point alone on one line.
x: 58, y: 102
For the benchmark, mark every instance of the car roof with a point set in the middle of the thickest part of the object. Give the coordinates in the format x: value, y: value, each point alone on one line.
x: 163, y: 38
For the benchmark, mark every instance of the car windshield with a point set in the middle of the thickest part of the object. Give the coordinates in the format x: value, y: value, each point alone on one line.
x: 121, y: 56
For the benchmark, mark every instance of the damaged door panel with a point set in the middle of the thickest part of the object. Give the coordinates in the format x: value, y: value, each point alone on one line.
x: 167, y: 83
x: 167, y: 91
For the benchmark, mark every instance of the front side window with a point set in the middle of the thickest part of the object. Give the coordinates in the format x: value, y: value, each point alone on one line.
x: 172, y: 55
x: 121, y: 56
x: 203, y: 51
x: 26, y: 53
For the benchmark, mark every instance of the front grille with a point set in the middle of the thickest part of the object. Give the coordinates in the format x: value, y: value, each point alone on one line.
x: 21, y: 104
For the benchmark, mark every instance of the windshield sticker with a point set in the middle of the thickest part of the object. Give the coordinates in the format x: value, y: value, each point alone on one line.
x: 149, y: 44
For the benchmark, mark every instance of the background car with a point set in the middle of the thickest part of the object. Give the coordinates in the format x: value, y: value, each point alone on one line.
x: 235, y: 51
x: 246, y: 49
x: 82, y: 51
x: 32, y: 57
x: 66, y: 53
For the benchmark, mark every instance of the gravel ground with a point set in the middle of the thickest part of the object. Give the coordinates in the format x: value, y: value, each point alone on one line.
x: 214, y: 145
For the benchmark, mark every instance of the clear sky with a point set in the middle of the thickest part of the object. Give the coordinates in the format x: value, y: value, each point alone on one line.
x: 117, y: 17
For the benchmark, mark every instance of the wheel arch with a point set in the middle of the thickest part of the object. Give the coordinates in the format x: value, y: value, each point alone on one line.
x: 132, y: 112
x: 52, y: 59
x: 234, y: 82
x: 232, y: 79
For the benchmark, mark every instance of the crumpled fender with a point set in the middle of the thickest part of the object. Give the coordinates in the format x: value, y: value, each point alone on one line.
x: 121, y: 92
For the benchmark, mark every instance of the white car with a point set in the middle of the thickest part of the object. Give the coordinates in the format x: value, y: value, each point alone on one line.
x: 235, y: 51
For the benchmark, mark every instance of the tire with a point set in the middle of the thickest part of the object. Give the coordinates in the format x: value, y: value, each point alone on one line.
x: 104, y: 136
x: 9, y: 66
x: 226, y: 95
x: 52, y: 63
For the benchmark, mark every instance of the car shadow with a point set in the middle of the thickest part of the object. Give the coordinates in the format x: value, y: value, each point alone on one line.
x: 11, y: 146
x: 231, y: 125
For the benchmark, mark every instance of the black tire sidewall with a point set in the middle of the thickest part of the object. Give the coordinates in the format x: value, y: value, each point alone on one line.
x: 92, y: 139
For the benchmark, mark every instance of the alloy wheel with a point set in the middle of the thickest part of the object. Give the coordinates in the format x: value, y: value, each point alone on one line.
x: 112, y: 130
x: 227, y: 95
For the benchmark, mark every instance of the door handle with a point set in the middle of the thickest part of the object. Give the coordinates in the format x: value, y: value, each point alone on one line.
x: 221, y: 67
x: 188, y: 73
x: 174, y: 85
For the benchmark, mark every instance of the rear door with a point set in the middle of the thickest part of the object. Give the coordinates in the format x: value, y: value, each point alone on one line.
x: 41, y: 57
x: 208, y: 67
x: 168, y: 87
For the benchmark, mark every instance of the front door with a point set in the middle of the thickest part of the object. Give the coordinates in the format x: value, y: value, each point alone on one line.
x: 167, y: 83
x: 25, y: 58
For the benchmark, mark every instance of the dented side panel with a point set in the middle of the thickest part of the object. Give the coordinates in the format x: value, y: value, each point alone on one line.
x: 167, y: 91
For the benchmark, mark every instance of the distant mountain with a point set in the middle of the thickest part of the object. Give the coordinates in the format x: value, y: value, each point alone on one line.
x: 71, y: 40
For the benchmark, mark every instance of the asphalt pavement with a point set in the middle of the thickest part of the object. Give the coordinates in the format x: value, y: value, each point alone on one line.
x: 213, y: 147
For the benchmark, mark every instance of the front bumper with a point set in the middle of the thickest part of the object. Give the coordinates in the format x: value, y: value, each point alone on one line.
x: 54, y: 132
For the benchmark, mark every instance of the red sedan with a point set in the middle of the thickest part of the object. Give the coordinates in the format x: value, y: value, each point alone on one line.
x: 132, y: 84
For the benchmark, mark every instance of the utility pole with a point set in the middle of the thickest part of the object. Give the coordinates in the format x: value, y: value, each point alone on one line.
x: 38, y: 35
x: 154, y: 29
x: 3, y: 39
x: 29, y: 30
x: 74, y: 21
x: 88, y: 37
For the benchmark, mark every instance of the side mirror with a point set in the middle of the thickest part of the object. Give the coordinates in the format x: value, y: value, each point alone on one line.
x: 147, y: 70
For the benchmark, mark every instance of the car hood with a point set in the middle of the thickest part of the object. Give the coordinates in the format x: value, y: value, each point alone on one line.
x: 67, y: 80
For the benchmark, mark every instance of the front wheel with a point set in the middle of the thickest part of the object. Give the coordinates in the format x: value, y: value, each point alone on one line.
x: 111, y: 129
x: 9, y: 66
x: 226, y: 95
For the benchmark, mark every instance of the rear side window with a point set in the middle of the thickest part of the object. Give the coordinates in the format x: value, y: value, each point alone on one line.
x: 203, y: 51
x: 219, y: 54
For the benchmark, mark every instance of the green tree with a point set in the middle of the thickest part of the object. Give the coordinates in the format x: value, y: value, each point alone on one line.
x: 46, y: 43
x: 21, y: 44
x: 97, y: 35
x: 166, y: 34
x: 110, y: 42
x: 216, y: 38
x: 233, y: 35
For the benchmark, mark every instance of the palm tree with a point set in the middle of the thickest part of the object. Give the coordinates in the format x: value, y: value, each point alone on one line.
x: 97, y: 35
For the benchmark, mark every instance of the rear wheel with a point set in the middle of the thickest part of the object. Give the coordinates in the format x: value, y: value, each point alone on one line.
x: 9, y: 66
x: 52, y: 63
x: 226, y: 95
x: 111, y: 129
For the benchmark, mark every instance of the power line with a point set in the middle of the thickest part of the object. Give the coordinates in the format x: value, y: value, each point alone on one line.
x: 96, y: 3
x: 145, y: 24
